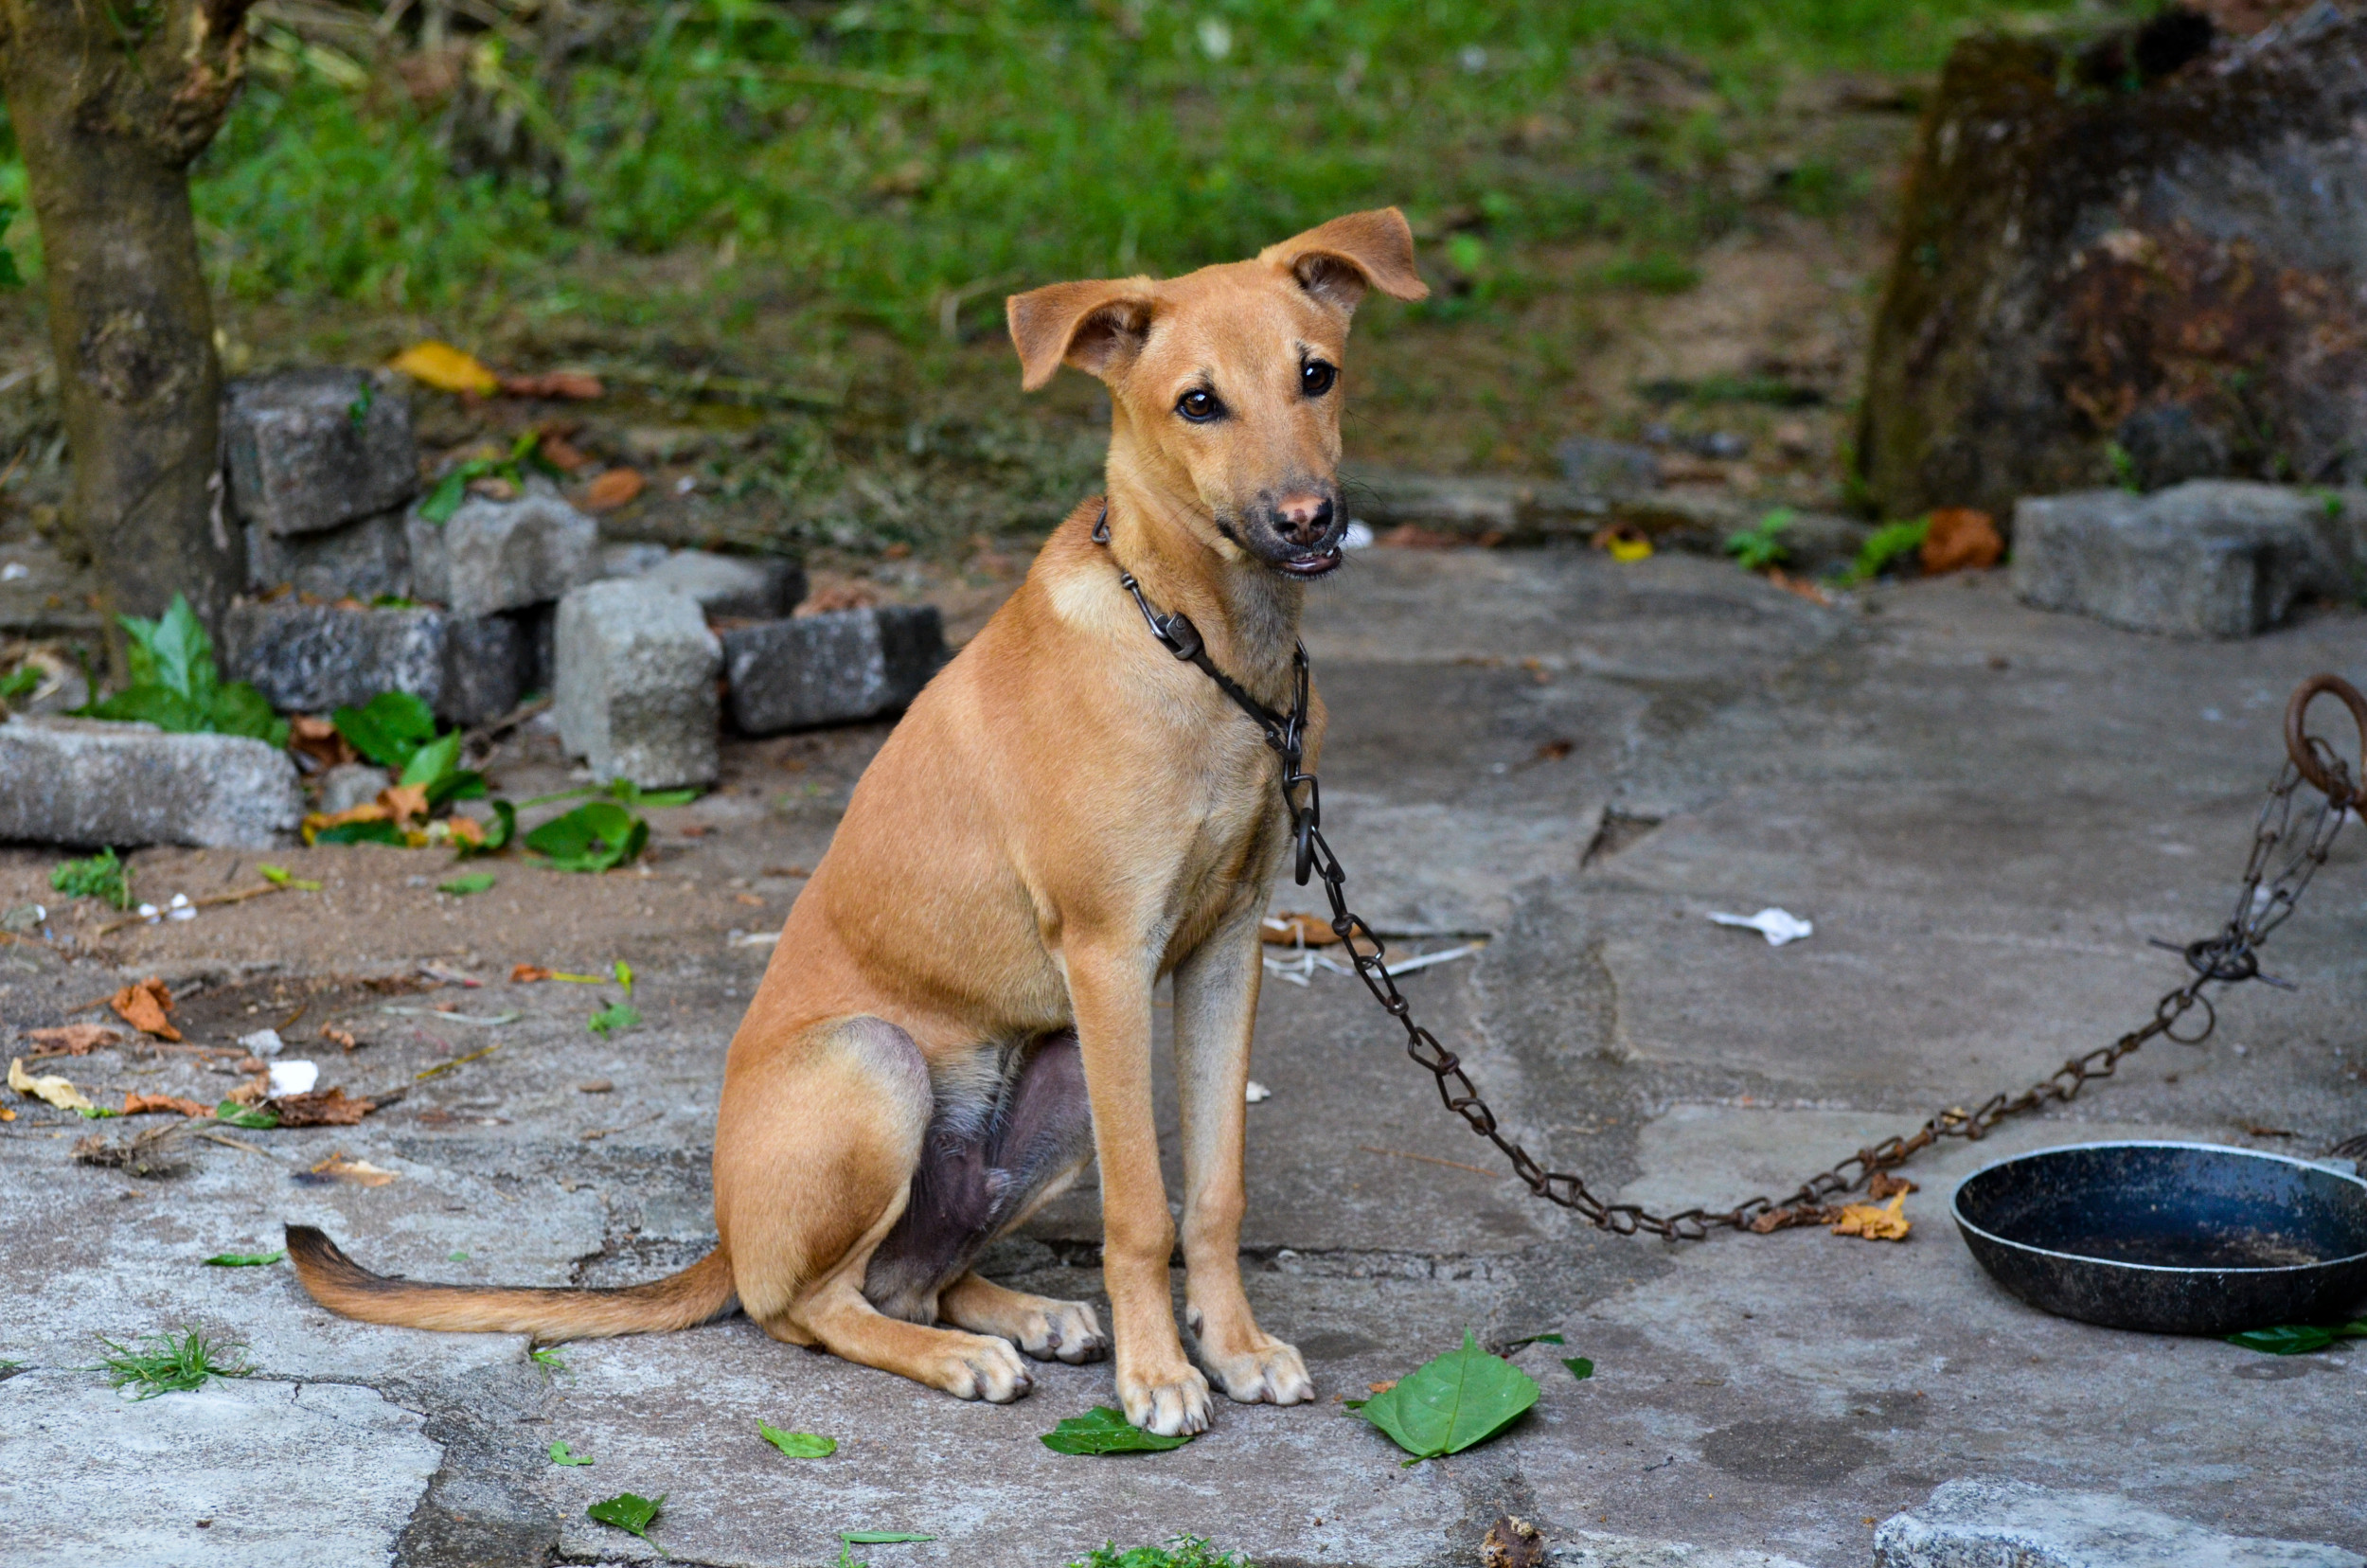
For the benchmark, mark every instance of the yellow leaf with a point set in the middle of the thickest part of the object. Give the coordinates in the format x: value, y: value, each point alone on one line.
x: 1887, y: 1223
x: 1631, y: 549
x: 56, y: 1090
x: 445, y: 368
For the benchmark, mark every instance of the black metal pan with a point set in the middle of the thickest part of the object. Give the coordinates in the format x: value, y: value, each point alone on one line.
x: 2170, y: 1238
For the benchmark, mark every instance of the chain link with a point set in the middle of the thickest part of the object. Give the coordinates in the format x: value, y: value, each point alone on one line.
x: 2289, y: 844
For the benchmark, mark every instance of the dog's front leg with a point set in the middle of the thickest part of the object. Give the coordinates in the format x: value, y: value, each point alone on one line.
x: 1216, y: 1010
x: 1110, y: 988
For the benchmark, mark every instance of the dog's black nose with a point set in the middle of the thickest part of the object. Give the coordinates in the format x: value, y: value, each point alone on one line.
x: 1303, y: 520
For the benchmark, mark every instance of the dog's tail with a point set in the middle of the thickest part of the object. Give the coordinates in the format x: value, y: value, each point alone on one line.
x: 700, y: 1293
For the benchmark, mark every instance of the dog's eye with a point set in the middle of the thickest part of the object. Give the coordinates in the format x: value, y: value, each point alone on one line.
x: 1315, y: 378
x: 1199, y: 406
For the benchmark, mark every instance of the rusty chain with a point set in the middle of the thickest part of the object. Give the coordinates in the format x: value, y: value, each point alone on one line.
x: 2229, y: 956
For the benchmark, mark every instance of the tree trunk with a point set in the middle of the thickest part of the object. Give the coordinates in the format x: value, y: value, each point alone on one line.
x: 111, y: 101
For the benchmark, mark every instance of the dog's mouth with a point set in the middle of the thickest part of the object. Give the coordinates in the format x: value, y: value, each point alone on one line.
x: 1311, y: 563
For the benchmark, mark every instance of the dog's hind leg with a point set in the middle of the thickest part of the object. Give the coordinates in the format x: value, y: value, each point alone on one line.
x: 803, y: 1208
x: 985, y: 1167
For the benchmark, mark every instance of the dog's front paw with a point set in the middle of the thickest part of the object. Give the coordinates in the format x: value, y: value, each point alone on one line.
x: 1063, y: 1331
x: 1268, y: 1372
x: 978, y: 1367
x: 1174, y: 1404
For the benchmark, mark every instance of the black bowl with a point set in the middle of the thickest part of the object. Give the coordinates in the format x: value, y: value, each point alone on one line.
x: 2169, y: 1237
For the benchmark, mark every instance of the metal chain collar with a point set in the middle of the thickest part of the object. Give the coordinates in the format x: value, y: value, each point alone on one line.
x: 2229, y: 956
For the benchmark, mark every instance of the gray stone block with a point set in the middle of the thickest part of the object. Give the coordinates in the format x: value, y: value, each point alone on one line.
x: 301, y: 459
x: 365, y: 557
x: 503, y: 555
x: 2210, y: 558
x: 313, y: 657
x: 754, y: 587
x: 352, y: 784
x: 1615, y: 470
x: 831, y: 669
x: 634, y: 686
x: 2013, y: 1524
x: 86, y: 782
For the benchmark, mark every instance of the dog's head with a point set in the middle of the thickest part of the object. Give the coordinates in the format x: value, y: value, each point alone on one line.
x: 1224, y: 382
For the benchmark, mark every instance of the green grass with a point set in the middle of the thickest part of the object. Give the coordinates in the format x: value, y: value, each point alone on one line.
x: 170, y: 1364
x: 874, y: 157
x: 1182, y: 1551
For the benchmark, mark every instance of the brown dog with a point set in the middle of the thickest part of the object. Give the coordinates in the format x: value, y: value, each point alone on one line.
x: 958, y: 1013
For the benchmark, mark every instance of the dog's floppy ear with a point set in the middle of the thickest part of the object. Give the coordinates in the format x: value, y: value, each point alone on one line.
x: 1339, y: 260
x: 1094, y: 326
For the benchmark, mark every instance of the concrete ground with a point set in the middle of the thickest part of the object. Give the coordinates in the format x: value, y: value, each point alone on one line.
x: 1986, y: 812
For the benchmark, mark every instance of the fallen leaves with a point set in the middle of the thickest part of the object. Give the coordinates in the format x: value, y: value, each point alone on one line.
x: 279, y: 876
x: 318, y: 739
x: 619, y: 487
x: 142, y: 1154
x: 341, y: 1037
x: 562, y: 1454
x: 1887, y: 1223
x: 2296, y: 1339
x: 53, y: 1089
x: 1960, y: 539
x: 144, y: 1007
x: 619, y: 1015
x: 798, y: 1444
x: 527, y: 974
x: 72, y: 1038
x: 628, y: 1512
x: 1512, y: 1542
x: 340, y: 1166
x: 461, y: 886
x: 145, y: 1105
x: 1883, y: 1184
x: 245, y: 1260
x: 1103, y: 1429
x: 1447, y: 1405
x: 320, y: 1108
x: 445, y: 368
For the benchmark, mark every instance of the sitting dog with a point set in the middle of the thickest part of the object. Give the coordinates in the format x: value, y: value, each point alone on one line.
x: 958, y: 1013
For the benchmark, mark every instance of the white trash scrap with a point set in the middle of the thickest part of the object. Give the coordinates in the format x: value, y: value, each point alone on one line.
x: 1777, y: 925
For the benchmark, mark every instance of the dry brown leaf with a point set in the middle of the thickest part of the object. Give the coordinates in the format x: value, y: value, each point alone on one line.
x: 1382, y: 1387
x: 1800, y: 586
x: 562, y: 454
x: 526, y: 974
x: 319, y: 738
x: 461, y: 829
x: 1959, y: 539
x: 1296, y: 931
x: 56, y: 1091
x: 1771, y: 1220
x: 320, y: 1108
x: 369, y: 811
x: 74, y: 1039
x: 576, y: 384
x: 343, y: 1036
x: 144, y: 1007
x: 404, y: 803
x: 616, y: 488
x: 1883, y: 1184
x: 1512, y: 1543
x: 1887, y: 1223
x: 255, y: 1091
x: 445, y: 368
x: 141, y: 1105
x: 345, y: 1169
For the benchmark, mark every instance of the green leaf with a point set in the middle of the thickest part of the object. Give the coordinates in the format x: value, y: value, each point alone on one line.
x: 592, y: 837
x: 279, y: 876
x: 9, y: 277
x: 358, y: 411
x: 388, y: 728
x: 460, y: 887
x: 433, y: 763
x: 798, y: 1444
x: 362, y: 832
x: 152, y: 705
x: 1463, y: 1398
x: 22, y: 682
x: 562, y: 1454
x: 546, y: 1356
x: 2296, y: 1339
x: 239, y: 709
x: 1103, y: 1429
x: 97, y: 1113
x: 180, y: 653
x: 240, y: 1115
x: 244, y: 1260
x: 624, y: 974
x: 621, y: 1015
x: 1579, y: 1368
x: 628, y: 1512
x: 1886, y: 545
x: 1519, y: 1345
x: 449, y: 492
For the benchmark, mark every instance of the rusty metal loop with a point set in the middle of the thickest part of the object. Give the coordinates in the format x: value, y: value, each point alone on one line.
x: 2329, y: 784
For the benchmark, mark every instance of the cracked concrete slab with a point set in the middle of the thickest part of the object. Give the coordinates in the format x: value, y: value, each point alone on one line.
x: 238, y: 1474
x: 1986, y: 810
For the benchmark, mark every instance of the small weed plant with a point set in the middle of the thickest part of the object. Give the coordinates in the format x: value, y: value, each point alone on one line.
x: 1183, y: 1551
x: 173, y: 1364
x: 101, y: 877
